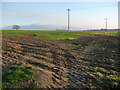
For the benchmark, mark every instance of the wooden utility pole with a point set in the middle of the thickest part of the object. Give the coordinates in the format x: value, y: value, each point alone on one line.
x: 68, y: 19
x: 106, y: 23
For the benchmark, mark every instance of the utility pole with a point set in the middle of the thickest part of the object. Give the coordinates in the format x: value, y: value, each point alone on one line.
x: 68, y: 20
x: 106, y: 23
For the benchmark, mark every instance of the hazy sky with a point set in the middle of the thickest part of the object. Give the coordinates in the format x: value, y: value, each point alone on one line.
x: 45, y: 15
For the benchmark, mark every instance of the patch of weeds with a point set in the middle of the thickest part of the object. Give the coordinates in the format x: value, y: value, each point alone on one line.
x: 90, y: 84
x: 111, y: 60
x: 79, y: 45
x: 98, y: 74
x: 1, y: 47
x: 113, y: 51
x: 82, y: 45
x: 103, y: 49
x: 100, y: 69
x: 35, y: 34
x: 16, y: 74
x: 71, y: 38
x: 35, y: 86
x: 114, y: 77
x: 115, y: 80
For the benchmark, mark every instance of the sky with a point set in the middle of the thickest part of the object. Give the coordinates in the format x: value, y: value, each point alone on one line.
x: 53, y: 15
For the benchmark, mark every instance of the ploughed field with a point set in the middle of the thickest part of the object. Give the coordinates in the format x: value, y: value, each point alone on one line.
x: 60, y: 59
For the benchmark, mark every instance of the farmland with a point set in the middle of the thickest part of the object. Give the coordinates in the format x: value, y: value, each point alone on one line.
x: 60, y: 59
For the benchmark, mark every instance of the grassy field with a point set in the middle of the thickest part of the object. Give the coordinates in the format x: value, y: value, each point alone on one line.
x: 55, y: 34
x: 60, y: 59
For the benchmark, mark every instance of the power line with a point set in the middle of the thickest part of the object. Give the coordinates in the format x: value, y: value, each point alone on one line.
x: 44, y: 14
x: 94, y: 7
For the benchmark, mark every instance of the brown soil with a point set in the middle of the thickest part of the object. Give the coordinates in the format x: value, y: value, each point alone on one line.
x: 62, y: 63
